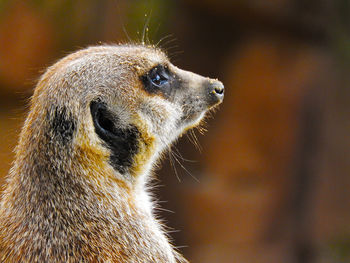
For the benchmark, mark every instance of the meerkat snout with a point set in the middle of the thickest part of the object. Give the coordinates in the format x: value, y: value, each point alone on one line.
x: 216, y: 91
x: 99, y: 119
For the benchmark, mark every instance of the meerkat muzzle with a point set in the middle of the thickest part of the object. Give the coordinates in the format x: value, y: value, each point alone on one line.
x: 215, y: 93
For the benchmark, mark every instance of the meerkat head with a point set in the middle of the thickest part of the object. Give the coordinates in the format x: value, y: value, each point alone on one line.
x: 121, y: 105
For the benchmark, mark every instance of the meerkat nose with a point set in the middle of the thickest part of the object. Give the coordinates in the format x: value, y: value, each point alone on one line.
x: 216, y: 91
x: 219, y: 89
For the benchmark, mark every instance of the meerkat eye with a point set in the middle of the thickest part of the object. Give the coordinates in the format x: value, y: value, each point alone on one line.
x: 158, y: 76
x: 158, y: 79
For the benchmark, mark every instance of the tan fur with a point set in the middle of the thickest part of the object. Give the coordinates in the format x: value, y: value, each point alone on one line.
x: 64, y: 201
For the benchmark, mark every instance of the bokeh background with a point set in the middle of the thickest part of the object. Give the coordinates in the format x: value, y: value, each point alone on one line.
x: 270, y: 180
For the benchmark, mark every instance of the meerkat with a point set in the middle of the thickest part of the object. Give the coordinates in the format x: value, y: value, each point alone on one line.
x: 99, y: 119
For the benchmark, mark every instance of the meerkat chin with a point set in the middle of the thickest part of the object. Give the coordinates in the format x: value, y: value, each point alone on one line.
x: 99, y: 118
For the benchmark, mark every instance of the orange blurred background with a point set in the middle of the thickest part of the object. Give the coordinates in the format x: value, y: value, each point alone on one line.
x: 270, y: 183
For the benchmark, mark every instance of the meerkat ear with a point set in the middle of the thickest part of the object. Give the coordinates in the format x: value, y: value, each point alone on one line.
x: 122, y: 141
x: 102, y: 119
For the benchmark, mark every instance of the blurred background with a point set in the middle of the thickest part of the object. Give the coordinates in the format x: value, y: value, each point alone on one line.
x: 270, y: 181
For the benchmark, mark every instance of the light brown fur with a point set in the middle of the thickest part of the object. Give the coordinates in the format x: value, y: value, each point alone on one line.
x: 64, y: 201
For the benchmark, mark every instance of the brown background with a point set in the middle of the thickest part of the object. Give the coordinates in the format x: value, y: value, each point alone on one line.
x: 273, y: 169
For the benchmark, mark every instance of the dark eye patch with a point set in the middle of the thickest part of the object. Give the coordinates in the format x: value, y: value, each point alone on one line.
x: 158, y: 79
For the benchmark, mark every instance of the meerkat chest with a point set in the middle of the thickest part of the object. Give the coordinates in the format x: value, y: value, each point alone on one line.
x: 128, y: 232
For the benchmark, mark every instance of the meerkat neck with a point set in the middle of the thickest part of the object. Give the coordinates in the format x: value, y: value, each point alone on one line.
x: 65, y: 202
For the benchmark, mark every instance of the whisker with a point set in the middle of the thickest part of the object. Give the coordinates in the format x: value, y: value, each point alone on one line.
x: 163, y: 38
x: 145, y: 29
x: 127, y: 35
x: 164, y: 209
x: 180, y: 247
x: 183, y: 167
x: 172, y: 164
x: 122, y: 22
x: 197, y: 143
x: 172, y: 40
x: 175, y: 53
x: 168, y: 49
x: 179, y: 155
x: 173, y: 231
